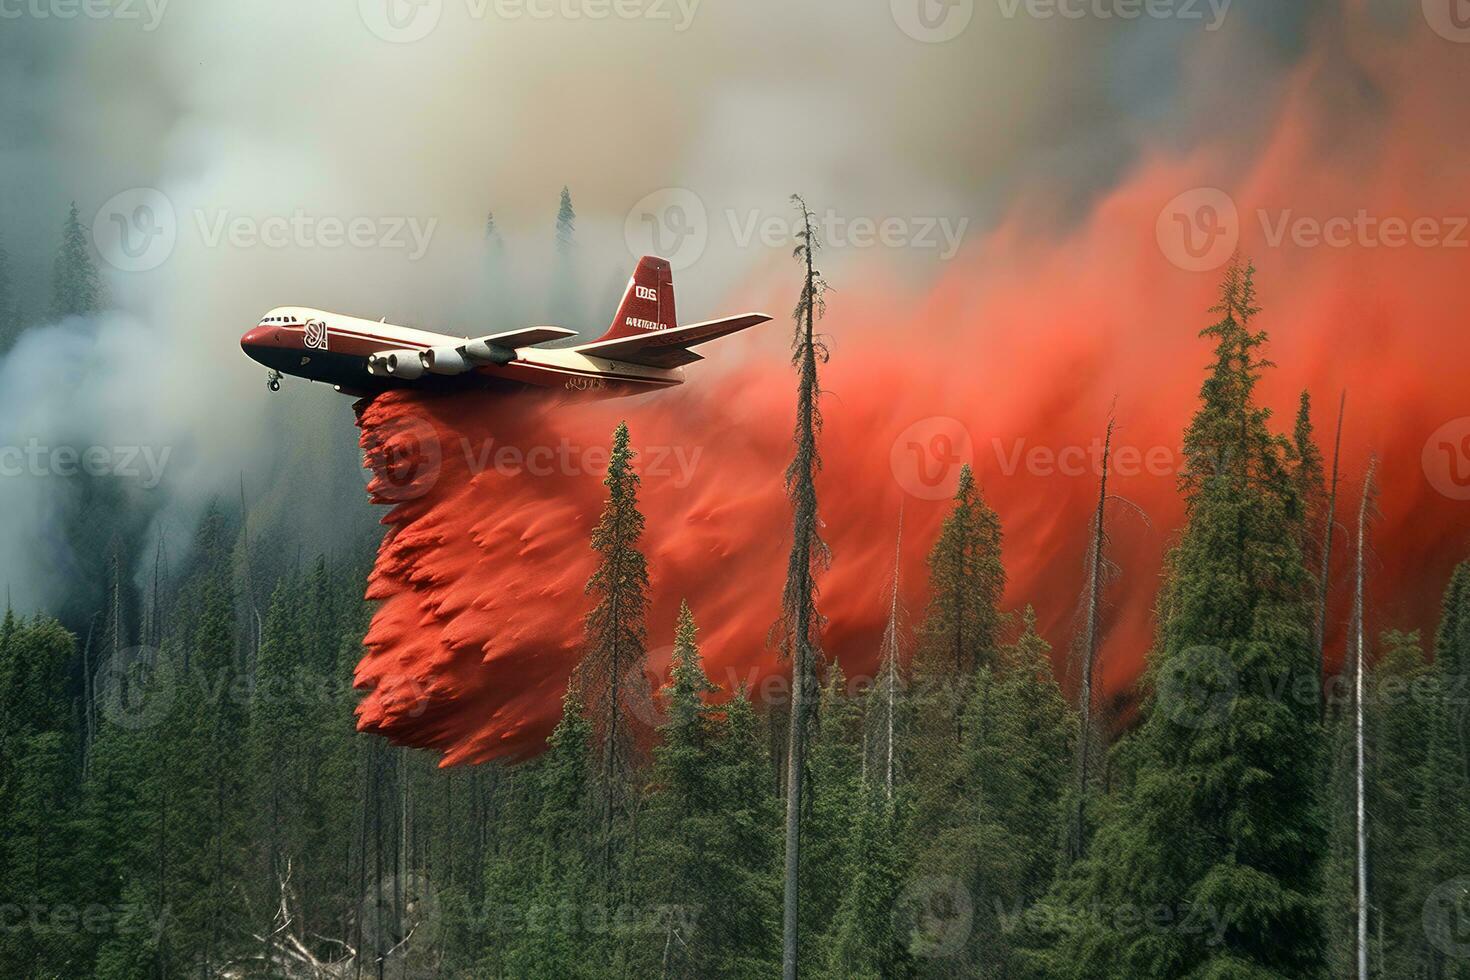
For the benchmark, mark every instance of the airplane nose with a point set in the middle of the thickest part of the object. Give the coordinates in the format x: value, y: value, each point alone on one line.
x: 253, y: 340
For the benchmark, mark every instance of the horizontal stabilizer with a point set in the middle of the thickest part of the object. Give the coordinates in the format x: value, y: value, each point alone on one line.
x: 668, y: 348
x: 527, y: 336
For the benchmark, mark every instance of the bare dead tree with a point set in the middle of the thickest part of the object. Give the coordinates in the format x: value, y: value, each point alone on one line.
x: 800, y: 623
x: 1096, y: 566
x: 881, y: 716
x: 1359, y: 659
x: 1324, y: 576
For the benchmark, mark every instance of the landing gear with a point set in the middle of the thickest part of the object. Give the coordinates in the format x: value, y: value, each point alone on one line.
x: 273, y: 380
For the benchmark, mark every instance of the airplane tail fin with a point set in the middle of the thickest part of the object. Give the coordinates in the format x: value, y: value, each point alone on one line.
x: 648, y: 302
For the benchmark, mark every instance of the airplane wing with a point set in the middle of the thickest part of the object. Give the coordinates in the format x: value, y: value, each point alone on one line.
x: 526, y: 336
x: 667, y: 348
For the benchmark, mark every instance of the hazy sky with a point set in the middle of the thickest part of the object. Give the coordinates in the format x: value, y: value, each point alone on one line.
x: 231, y: 157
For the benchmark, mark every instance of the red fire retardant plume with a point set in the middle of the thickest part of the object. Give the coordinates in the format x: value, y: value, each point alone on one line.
x: 1010, y: 361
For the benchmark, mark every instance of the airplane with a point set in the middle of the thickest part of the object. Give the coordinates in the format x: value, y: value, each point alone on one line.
x: 644, y: 349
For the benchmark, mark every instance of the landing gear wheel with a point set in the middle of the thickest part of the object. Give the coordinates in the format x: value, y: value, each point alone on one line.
x: 273, y: 380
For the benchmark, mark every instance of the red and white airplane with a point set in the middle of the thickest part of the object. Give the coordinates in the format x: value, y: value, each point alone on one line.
x: 645, y: 348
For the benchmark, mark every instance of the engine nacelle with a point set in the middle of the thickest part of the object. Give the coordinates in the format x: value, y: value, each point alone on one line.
x: 403, y: 364
x: 444, y: 360
x: 484, y: 352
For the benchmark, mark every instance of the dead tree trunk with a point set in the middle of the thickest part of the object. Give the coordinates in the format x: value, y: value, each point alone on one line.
x: 1326, y: 570
x: 1359, y: 659
x: 1085, y: 722
x: 800, y: 621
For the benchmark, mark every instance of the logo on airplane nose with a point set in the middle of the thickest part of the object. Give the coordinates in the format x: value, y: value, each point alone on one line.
x: 136, y: 230
x: 1199, y: 229
x: 401, y: 21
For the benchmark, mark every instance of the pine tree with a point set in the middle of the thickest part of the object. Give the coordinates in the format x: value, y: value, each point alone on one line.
x: 834, y: 779
x: 800, y: 626
x: 1008, y: 784
x: 552, y: 945
x: 962, y: 623
x: 1220, y: 813
x: 709, y: 862
x: 9, y: 311
x: 566, y: 307
x: 611, y: 675
x: 39, y: 746
x: 1452, y: 655
x: 74, y: 287
x: 1309, y: 483
x: 861, y: 943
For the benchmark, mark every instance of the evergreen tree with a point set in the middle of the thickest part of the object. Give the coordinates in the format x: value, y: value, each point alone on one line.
x: 861, y: 943
x: 709, y: 861
x: 1009, y: 785
x: 833, y: 785
x: 611, y: 676
x: 74, y: 287
x: 1220, y: 816
x: 39, y: 746
x: 553, y: 945
x: 961, y: 625
x: 566, y: 306
x: 1452, y: 654
x: 1310, y: 486
x: 9, y: 310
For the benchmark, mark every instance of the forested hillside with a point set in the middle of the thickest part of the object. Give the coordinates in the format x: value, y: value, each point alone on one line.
x: 182, y: 793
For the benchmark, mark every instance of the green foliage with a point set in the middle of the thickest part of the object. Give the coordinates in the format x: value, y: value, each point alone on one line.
x: 1221, y: 817
x: 74, y: 288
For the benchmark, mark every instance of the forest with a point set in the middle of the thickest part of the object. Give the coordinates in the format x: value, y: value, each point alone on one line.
x: 183, y: 793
